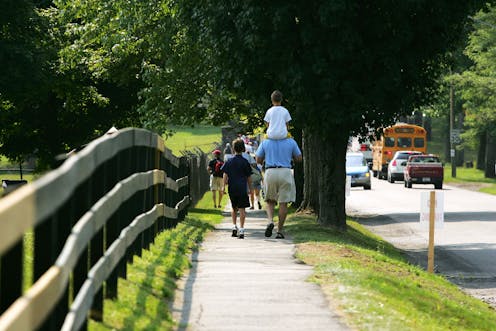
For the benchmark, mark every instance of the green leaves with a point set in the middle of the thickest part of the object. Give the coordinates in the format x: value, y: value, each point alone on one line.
x: 478, y: 83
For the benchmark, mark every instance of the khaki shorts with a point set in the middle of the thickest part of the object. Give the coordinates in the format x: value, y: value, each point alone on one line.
x: 279, y: 185
x: 215, y: 183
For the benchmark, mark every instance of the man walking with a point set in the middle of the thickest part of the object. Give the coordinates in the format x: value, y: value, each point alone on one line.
x: 279, y: 184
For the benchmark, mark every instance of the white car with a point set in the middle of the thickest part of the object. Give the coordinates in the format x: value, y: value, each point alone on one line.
x: 397, y: 165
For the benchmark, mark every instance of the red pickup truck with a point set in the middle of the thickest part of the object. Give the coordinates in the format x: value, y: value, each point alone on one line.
x: 424, y: 169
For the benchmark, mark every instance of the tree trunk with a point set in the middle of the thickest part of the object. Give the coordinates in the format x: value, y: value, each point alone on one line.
x: 311, y: 149
x: 489, y: 172
x: 428, y: 127
x: 331, y: 181
x: 481, y: 153
x: 447, y: 142
x: 460, y: 152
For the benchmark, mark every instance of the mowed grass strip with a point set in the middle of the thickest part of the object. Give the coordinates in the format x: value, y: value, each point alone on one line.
x: 144, y: 297
x: 470, y: 175
x: 374, y: 287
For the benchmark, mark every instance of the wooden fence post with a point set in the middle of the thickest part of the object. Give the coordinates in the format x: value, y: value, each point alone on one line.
x: 11, y: 276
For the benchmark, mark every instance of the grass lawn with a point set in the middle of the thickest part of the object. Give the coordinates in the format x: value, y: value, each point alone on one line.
x: 376, y: 289
x: 205, y: 137
x: 143, y: 297
x: 470, y: 175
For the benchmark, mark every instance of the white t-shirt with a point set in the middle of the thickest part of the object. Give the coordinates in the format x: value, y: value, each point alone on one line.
x: 277, y: 117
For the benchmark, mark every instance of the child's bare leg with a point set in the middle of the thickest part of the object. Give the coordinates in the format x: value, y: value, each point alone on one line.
x: 242, y: 217
x: 213, y: 197
x: 234, y: 214
x: 221, y: 193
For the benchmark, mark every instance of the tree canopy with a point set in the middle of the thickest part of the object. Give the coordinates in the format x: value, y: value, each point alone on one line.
x: 345, y: 66
x: 478, y: 83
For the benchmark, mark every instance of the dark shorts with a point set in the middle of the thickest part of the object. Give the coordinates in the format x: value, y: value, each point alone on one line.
x: 239, y: 200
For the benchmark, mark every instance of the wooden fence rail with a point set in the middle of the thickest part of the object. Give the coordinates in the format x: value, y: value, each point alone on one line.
x: 89, y: 217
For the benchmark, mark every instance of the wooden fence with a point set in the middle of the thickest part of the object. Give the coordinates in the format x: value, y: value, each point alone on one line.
x: 89, y: 217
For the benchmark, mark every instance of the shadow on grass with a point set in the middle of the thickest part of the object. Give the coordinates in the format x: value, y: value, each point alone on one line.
x: 305, y: 228
x: 203, y: 211
x: 151, y: 280
x: 367, y: 270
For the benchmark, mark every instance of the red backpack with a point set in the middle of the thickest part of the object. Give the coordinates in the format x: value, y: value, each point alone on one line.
x: 217, y: 168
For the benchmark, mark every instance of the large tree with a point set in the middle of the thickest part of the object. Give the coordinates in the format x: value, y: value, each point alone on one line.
x: 49, y: 106
x: 344, y: 66
x: 478, y: 86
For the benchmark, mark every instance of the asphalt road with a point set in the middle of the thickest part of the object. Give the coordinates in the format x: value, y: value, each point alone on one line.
x: 465, y: 248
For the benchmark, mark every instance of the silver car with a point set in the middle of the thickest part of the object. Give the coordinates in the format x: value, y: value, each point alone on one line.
x: 397, y: 165
x: 358, y: 170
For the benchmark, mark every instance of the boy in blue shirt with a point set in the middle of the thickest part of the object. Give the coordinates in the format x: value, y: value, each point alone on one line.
x: 237, y: 173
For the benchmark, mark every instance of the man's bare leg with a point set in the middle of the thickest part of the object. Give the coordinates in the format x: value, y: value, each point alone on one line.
x: 270, y: 210
x: 270, y: 216
x: 283, y: 212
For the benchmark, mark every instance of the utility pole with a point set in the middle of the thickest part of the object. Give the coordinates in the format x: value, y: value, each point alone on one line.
x: 452, y: 133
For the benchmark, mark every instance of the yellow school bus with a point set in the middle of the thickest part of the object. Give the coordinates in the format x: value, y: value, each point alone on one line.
x: 399, y: 137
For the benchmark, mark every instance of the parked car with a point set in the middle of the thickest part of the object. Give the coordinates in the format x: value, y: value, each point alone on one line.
x: 397, y: 165
x: 424, y: 169
x: 358, y: 170
x: 364, y: 147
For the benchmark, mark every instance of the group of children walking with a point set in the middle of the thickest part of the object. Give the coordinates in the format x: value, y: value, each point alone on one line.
x: 240, y: 177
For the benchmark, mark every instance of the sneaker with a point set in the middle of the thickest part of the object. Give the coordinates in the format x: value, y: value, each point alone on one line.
x: 259, y: 205
x: 268, y: 230
x: 234, y: 232
x: 251, y: 207
x: 279, y: 235
x: 241, y: 235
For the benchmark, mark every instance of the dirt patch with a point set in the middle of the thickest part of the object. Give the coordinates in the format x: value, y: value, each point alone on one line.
x: 471, y: 186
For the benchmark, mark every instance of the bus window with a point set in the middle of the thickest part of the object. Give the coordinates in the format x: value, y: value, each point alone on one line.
x: 389, y: 142
x: 418, y: 142
x: 404, y: 142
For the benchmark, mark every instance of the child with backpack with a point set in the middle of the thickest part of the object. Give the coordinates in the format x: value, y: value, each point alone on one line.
x: 216, y: 174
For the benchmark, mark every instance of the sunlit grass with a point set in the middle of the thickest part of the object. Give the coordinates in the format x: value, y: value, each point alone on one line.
x: 143, y: 297
x: 466, y: 175
x: 470, y: 175
x: 376, y: 288
x: 204, y: 137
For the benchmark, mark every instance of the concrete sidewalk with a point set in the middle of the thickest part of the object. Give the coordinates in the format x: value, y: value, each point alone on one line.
x: 250, y: 284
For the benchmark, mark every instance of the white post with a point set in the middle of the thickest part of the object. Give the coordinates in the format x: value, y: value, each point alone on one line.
x: 432, y: 211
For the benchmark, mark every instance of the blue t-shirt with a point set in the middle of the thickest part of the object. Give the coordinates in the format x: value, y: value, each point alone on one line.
x: 238, y: 170
x: 278, y: 153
